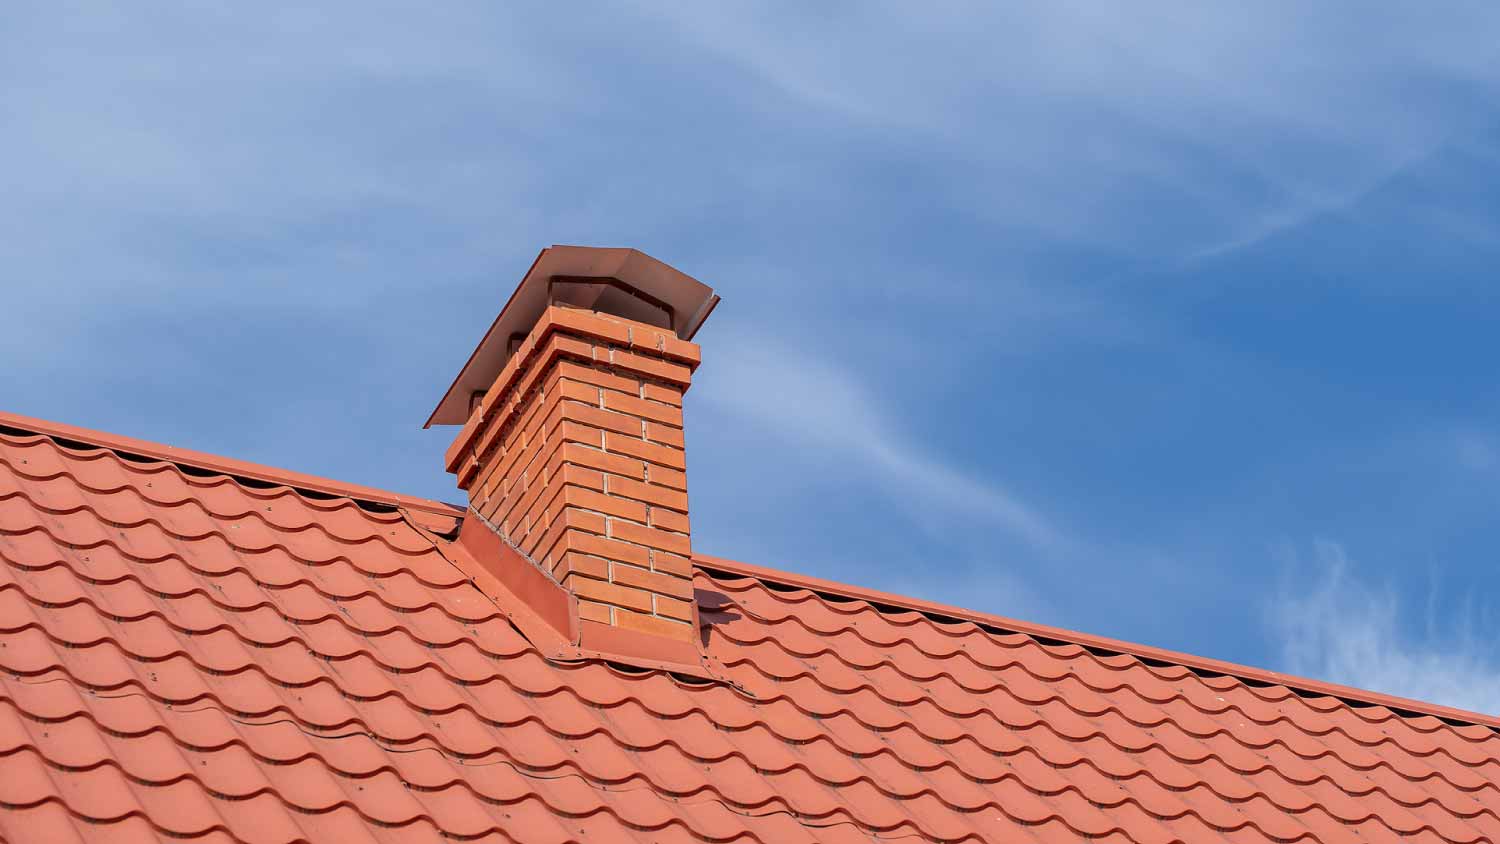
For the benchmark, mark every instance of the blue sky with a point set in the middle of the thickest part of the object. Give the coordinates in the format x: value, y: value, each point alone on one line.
x: 1171, y: 324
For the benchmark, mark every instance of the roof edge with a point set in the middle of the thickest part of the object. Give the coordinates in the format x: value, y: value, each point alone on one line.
x: 1300, y: 685
x: 229, y: 466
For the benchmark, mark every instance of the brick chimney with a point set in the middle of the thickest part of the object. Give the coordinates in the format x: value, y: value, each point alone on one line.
x: 572, y: 448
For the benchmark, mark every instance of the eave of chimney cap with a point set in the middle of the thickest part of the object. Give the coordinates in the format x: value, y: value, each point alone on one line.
x: 690, y: 301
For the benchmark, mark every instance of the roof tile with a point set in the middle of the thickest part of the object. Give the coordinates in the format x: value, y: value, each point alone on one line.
x: 189, y: 654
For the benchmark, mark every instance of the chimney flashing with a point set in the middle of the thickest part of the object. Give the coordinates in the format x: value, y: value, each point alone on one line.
x: 685, y: 301
x: 546, y: 614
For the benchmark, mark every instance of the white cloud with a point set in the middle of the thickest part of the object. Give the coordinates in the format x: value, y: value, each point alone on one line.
x: 813, y: 401
x: 1331, y: 625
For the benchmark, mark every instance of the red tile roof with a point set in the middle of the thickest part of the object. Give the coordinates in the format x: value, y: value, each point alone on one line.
x: 200, y: 648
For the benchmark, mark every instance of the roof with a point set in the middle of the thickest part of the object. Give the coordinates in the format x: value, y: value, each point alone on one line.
x: 210, y: 650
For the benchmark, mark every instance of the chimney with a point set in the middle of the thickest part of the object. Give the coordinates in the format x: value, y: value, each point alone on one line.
x: 572, y: 449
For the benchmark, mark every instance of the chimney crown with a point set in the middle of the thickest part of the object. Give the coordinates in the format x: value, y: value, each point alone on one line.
x: 573, y: 453
x: 623, y: 282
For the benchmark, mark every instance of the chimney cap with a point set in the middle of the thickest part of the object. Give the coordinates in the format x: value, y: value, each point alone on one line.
x: 685, y: 301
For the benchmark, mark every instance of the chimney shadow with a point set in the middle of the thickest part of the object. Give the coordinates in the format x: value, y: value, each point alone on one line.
x: 714, y: 608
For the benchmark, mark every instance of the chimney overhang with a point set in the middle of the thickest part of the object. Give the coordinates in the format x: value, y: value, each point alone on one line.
x: 564, y: 274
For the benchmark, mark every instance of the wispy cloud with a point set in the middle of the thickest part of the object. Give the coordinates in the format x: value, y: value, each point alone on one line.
x: 816, y: 402
x: 1068, y: 118
x: 1332, y: 625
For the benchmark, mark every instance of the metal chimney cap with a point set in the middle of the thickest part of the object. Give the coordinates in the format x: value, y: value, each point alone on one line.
x: 684, y: 301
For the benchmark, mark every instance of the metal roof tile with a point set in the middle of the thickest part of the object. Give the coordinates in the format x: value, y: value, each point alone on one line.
x: 185, y: 653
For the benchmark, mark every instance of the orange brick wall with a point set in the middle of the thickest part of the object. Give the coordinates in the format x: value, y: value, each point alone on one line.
x: 575, y: 456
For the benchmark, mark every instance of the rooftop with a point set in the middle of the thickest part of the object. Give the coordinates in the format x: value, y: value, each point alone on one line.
x: 204, y: 648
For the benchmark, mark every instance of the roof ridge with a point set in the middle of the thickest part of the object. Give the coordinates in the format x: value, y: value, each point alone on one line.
x: 1302, y: 686
x: 369, y: 498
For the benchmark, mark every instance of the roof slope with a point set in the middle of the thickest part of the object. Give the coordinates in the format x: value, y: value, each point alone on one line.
x: 192, y: 654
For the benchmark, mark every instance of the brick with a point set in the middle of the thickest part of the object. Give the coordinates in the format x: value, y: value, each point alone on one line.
x: 533, y: 457
x: 672, y: 608
x: 490, y: 435
x: 504, y: 462
x: 653, y: 494
x: 547, y: 543
x: 528, y: 385
x: 654, y: 625
x: 533, y: 410
x: 536, y: 353
x: 577, y: 432
x: 504, y: 499
x: 651, y: 581
x: 505, y: 496
x: 619, y: 423
x: 665, y: 434
x: 623, y: 508
x: 553, y: 412
x: 524, y: 490
x: 509, y: 439
x: 586, y: 322
x: 676, y: 543
x: 496, y: 485
x: 461, y: 444
x: 671, y: 563
x: 589, y: 374
x: 657, y: 341
x: 554, y: 502
x: 530, y: 366
x: 637, y: 406
x: 661, y: 517
x: 592, y: 611
x: 507, y: 376
x: 516, y: 486
x: 486, y: 483
x: 651, y: 367
x: 614, y: 464
x: 562, y: 344
x: 662, y: 393
x: 582, y: 565
x: 510, y: 460
x: 663, y: 455
x: 684, y: 350
x: 490, y: 504
x: 559, y: 470
x: 467, y: 471
x: 578, y: 392
x: 574, y: 475
x: 674, y: 478
x: 610, y: 593
x: 599, y: 546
